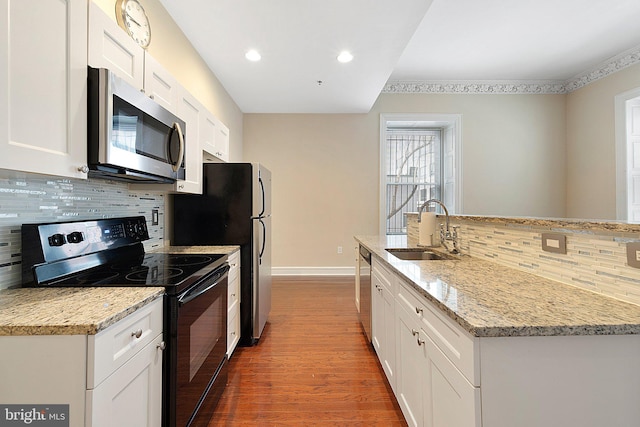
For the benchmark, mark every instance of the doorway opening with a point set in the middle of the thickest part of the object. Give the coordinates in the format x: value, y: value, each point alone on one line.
x: 627, y: 116
x: 420, y: 159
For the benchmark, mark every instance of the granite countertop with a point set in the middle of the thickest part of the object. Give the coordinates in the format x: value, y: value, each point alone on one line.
x: 214, y: 250
x: 490, y: 300
x: 80, y: 311
x: 69, y: 311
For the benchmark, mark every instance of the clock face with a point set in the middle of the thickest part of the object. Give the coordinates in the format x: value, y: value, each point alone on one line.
x: 133, y: 19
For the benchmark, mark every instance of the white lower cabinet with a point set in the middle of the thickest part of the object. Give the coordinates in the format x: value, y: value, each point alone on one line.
x: 131, y: 396
x: 383, y: 330
x: 445, y: 377
x: 124, y: 372
x: 431, y: 388
x: 233, y: 304
x: 112, y: 379
x: 430, y: 362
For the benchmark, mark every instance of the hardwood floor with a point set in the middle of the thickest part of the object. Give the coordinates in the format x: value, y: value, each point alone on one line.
x: 312, y: 365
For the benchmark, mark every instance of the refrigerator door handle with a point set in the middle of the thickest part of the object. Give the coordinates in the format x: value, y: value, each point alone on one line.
x: 264, y: 239
x: 261, y: 214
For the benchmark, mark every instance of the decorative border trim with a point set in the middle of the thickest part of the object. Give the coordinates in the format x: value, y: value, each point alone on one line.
x: 501, y: 87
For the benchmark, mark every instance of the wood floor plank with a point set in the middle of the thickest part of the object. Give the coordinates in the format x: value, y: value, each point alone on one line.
x: 312, y: 366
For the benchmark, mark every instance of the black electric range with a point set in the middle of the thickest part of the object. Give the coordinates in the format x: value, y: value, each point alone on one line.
x: 109, y: 252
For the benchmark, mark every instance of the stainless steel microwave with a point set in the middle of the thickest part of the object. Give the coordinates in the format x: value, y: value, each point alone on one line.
x: 130, y: 136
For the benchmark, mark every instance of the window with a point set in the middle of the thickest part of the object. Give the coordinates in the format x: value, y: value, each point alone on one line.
x: 413, y: 172
x: 420, y: 158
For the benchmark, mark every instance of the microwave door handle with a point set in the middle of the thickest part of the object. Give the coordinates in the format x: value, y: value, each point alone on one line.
x: 176, y: 166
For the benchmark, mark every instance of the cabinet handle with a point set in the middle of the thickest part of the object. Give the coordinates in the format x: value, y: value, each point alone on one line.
x: 233, y: 295
x: 137, y: 333
x: 233, y: 332
x: 161, y: 346
x: 419, y: 310
x: 414, y: 332
x: 83, y: 169
x: 420, y: 342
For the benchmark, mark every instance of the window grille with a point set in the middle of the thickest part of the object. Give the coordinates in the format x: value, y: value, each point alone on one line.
x: 413, y: 173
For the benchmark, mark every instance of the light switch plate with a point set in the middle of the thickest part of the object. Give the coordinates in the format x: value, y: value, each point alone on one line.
x: 633, y: 254
x: 554, y: 242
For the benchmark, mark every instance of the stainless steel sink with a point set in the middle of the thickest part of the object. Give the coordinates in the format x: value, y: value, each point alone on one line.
x: 417, y: 254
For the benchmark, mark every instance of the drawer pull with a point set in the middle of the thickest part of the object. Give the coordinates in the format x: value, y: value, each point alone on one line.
x: 420, y: 342
x: 161, y: 346
x: 233, y: 295
x: 414, y: 332
x: 137, y: 333
x: 419, y: 310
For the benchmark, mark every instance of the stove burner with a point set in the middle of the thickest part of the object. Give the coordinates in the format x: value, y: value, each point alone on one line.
x: 185, y: 260
x: 94, y: 277
x: 153, y: 274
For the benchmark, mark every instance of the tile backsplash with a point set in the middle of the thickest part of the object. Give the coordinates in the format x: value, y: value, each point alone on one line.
x: 595, y: 259
x: 29, y: 198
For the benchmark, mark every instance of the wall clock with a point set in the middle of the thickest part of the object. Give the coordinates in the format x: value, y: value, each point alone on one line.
x: 131, y: 16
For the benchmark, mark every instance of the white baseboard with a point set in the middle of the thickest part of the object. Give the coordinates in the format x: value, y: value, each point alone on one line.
x: 313, y: 271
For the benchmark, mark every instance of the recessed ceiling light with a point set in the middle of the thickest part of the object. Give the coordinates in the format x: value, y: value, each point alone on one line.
x: 252, y: 55
x: 345, y: 57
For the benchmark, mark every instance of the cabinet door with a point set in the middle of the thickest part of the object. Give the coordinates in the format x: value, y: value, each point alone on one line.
x: 233, y: 302
x: 449, y: 399
x: 160, y: 85
x: 411, y: 359
x: 43, y: 80
x: 191, y: 111
x: 111, y: 47
x: 215, y: 139
x: 132, y: 395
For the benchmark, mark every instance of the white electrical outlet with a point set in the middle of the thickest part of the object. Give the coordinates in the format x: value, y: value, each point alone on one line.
x: 339, y: 249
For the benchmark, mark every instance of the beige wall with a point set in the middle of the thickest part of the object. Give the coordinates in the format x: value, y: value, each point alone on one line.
x: 324, y: 179
x: 591, y: 148
x: 326, y: 167
x: 170, y: 47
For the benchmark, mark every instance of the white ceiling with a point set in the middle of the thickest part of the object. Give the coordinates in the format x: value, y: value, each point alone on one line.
x: 395, y: 40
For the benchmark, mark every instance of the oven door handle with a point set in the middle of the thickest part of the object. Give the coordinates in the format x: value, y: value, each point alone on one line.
x: 196, y: 291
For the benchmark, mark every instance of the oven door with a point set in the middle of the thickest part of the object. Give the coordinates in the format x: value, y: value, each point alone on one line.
x: 200, y: 350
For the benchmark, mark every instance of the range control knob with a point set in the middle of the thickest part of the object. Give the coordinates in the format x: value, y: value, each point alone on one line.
x: 75, y: 237
x: 57, y: 240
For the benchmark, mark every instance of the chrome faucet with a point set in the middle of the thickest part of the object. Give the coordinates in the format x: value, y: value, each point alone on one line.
x: 445, y: 233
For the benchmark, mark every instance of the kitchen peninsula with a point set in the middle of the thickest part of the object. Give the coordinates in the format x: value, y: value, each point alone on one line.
x: 475, y: 342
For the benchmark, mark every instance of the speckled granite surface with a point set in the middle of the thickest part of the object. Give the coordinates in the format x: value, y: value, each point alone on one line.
x: 592, y: 225
x: 69, y: 311
x: 228, y: 250
x: 491, y: 300
x: 80, y: 311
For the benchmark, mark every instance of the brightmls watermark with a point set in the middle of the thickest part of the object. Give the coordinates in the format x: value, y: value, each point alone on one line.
x: 34, y: 415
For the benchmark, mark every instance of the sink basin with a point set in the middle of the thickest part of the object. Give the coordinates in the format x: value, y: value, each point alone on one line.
x: 416, y: 254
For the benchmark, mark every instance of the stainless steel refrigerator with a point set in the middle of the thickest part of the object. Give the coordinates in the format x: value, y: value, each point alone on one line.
x: 234, y: 209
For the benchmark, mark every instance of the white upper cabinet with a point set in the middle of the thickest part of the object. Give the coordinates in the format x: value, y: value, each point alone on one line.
x: 215, y: 139
x: 110, y: 47
x: 159, y: 85
x: 43, y: 81
x: 192, y: 112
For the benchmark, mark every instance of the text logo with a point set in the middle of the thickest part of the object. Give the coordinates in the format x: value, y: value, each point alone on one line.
x: 34, y: 415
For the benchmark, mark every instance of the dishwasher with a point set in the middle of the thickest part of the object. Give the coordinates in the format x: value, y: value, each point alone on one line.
x: 364, y: 272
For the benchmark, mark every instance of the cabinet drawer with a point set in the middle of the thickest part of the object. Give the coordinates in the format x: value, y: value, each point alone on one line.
x: 386, y: 278
x: 451, y: 339
x: 233, y: 293
x: 111, y: 348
